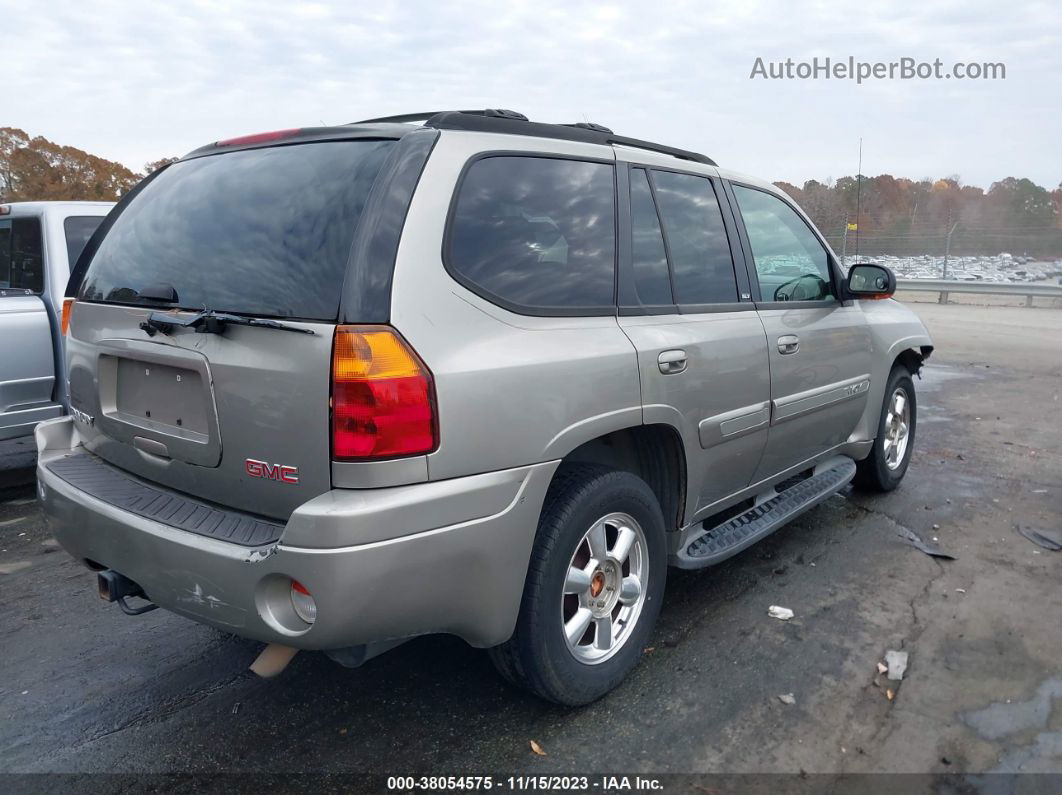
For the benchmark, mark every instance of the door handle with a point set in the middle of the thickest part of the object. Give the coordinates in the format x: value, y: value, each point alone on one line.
x: 789, y: 343
x: 672, y: 362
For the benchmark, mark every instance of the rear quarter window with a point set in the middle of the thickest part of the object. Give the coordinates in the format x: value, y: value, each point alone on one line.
x: 77, y: 230
x: 536, y: 234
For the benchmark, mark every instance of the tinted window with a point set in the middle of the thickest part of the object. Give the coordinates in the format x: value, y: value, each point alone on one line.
x: 5, y: 253
x: 78, y: 229
x: 259, y: 231
x: 700, y: 251
x: 536, y: 232
x: 791, y: 263
x: 648, y: 256
x: 21, y: 254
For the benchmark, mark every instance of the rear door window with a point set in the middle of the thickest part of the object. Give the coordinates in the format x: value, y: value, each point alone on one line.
x: 263, y: 232
x: 701, y: 263
x: 78, y: 229
x: 536, y: 234
x: 652, y: 280
x: 21, y: 254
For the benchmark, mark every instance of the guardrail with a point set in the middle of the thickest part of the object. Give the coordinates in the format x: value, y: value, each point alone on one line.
x: 945, y: 286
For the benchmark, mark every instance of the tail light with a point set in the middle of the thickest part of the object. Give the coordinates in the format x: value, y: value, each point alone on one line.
x: 64, y: 323
x: 382, y: 396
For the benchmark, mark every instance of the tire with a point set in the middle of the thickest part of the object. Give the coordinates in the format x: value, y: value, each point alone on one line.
x: 539, y: 657
x: 874, y: 473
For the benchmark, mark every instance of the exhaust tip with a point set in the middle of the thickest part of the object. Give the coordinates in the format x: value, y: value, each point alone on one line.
x: 106, y: 585
x: 114, y: 587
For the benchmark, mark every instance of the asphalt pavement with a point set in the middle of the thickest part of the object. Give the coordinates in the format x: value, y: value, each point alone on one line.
x: 86, y: 689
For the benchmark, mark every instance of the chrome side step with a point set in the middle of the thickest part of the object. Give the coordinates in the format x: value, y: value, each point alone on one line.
x: 727, y: 539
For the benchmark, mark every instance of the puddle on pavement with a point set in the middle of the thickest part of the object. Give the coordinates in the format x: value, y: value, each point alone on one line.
x: 934, y: 377
x: 1000, y: 720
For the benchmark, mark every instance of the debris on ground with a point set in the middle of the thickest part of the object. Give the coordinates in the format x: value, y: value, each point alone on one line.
x: 537, y: 749
x: 648, y: 649
x: 890, y: 694
x: 897, y: 663
x: 11, y: 568
x: 781, y: 613
x: 930, y: 549
x: 882, y: 667
x: 960, y: 590
x: 1043, y: 538
x: 787, y: 698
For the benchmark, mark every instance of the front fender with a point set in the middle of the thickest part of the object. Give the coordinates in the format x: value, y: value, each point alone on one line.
x: 894, y: 329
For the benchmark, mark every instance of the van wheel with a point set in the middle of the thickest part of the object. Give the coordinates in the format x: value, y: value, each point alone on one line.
x: 886, y: 465
x: 593, y: 590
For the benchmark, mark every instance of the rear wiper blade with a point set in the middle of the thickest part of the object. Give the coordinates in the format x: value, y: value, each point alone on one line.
x: 210, y: 322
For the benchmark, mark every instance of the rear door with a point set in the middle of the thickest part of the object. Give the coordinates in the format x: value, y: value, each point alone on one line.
x: 820, y: 349
x: 239, y: 417
x: 701, y: 347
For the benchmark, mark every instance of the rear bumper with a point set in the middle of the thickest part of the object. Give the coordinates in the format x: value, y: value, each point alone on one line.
x: 376, y: 563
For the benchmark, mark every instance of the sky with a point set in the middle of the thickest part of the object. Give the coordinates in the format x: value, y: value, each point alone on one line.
x: 134, y: 81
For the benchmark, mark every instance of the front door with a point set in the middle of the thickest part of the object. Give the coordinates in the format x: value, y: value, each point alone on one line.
x: 820, y: 349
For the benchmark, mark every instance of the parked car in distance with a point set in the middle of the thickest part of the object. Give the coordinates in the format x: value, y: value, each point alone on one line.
x: 334, y: 388
x: 39, y: 244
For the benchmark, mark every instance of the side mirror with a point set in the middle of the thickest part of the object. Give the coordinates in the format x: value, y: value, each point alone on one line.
x: 867, y: 280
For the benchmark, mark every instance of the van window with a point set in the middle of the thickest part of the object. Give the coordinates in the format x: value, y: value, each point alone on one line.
x: 78, y: 229
x: 702, y: 266
x: 536, y: 233
x: 21, y: 254
x: 262, y: 232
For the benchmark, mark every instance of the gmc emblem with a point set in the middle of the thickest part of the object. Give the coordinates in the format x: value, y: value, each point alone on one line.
x: 261, y: 469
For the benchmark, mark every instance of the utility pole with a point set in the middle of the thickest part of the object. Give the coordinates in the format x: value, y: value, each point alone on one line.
x: 947, y: 247
x: 859, y: 182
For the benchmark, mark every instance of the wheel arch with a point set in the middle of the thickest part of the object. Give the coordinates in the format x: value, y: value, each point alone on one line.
x: 655, y: 453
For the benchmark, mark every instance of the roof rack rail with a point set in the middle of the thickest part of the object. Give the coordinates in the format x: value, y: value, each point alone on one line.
x: 513, y: 123
x: 408, y: 117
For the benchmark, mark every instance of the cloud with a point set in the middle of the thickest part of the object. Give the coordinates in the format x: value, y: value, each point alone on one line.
x: 135, y: 81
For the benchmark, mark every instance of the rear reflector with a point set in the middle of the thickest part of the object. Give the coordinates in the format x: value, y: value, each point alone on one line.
x: 259, y: 138
x: 68, y: 304
x: 303, y: 603
x: 382, y: 396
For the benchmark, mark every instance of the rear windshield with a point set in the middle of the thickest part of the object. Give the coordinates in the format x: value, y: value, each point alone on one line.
x: 263, y: 232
